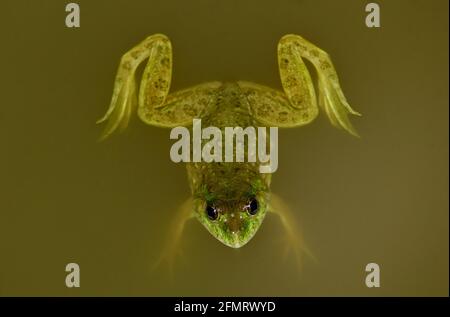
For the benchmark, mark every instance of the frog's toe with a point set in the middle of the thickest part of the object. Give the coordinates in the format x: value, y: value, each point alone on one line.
x: 167, y: 259
x: 292, y: 238
x: 295, y: 250
x: 298, y: 86
x: 171, y: 249
x: 154, y: 85
x: 122, y: 104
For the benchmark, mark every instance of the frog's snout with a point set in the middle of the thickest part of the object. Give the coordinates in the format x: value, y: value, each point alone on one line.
x: 233, y: 221
x: 237, y: 237
x: 235, y: 225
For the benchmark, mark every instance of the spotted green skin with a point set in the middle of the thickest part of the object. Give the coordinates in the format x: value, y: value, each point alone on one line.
x: 227, y: 186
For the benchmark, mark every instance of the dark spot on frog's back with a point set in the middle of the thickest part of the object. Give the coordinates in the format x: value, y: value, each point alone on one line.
x: 283, y: 116
x: 284, y: 63
x: 265, y: 110
x: 189, y: 109
x: 127, y: 65
x: 324, y: 64
x: 305, y: 116
x: 165, y: 62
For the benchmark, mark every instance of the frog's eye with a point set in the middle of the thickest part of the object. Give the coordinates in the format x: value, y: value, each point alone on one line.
x: 212, y: 212
x: 252, y: 206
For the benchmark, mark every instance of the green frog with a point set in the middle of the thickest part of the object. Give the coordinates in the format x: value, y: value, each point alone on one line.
x: 230, y: 199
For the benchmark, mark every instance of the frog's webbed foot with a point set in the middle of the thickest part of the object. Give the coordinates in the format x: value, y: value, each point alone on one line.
x: 158, y: 49
x: 171, y: 247
x: 156, y: 107
x: 293, y: 238
x: 298, y: 105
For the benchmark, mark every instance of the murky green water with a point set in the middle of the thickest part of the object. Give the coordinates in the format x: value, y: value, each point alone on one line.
x: 65, y: 198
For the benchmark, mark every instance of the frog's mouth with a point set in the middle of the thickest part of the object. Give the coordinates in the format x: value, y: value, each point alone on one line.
x: 236, y: 241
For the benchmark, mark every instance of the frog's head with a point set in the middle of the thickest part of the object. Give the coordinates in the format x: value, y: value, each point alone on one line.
x: 234, y: 218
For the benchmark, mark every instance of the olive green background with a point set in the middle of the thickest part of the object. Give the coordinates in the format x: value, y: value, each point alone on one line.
x: 107, y: 206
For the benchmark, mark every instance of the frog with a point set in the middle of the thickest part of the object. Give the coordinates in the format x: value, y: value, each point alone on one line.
x: 231, y: 199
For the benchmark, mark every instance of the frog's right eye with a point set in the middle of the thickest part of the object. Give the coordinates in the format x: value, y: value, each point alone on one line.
x: 212, y: 212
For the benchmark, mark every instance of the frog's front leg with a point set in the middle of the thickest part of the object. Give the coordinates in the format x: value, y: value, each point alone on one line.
x: 171, y: 247
x: 293, y: 237
x: 156, y: 106
x: 298, y: 106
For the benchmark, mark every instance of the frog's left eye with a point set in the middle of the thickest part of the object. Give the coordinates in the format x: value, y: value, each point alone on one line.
x: 212, y: 212
x: 252, y: 206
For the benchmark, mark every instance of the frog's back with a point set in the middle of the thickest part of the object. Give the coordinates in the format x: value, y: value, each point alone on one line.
x: 230, y: 109
x: 227, y: 180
